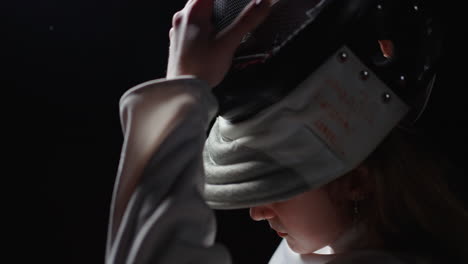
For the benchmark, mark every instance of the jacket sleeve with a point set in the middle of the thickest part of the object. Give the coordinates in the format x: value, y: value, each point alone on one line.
x: 158, y: 214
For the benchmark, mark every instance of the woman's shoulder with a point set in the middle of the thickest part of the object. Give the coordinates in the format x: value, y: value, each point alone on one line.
x: 380, y: 257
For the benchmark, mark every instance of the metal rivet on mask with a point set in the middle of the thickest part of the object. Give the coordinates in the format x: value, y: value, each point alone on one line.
x: 416, y: 8
x: 386, y: 97
x: 343, y: 56
x: 379, y: 7
x: 402, y: 80
x: 364, y: 75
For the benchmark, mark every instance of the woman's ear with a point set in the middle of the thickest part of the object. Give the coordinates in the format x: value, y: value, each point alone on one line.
x: 356, y: 185
x: 359, y: 183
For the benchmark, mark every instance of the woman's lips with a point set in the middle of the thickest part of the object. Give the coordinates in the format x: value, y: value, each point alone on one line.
x: 276, y: 228
x: 281, y: 234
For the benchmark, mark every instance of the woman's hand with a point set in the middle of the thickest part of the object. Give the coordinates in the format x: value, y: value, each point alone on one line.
x: 195, y: 47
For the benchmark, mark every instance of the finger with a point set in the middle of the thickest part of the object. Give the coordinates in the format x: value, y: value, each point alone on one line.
x: 171, y: 33
x: 172, y: 41
x: 177, y: 19
x: 201, y: 11
x: 252, y: 16
x: 204, y: 8
x: 189, y: 2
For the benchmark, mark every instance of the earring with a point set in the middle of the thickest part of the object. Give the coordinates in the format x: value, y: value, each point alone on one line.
x: 356, y: 214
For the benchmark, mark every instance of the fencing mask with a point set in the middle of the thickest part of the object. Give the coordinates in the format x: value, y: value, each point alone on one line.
x: 311, y: 94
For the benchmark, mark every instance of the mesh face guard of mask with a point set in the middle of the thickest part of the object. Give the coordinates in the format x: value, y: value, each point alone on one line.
x: 310, y: 94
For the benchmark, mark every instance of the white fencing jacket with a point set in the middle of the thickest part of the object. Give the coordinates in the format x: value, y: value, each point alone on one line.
x: 158, y: 214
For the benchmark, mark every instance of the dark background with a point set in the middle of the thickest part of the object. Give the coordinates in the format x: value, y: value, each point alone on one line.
x: 65, y: 66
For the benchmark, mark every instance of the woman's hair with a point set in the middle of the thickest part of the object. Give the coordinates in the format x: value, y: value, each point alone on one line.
x: 412, y: 207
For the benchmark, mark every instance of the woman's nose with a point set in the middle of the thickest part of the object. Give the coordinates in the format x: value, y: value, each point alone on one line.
x: 259, y: 213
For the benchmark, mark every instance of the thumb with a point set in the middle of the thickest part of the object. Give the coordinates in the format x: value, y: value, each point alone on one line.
x: 252, y: 16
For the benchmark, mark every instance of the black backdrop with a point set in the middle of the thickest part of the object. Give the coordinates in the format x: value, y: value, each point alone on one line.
x: 66, y: 64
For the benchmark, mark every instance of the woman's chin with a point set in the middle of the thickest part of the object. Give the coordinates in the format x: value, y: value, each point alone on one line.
x: 308, y: 250
x: 297, y: 247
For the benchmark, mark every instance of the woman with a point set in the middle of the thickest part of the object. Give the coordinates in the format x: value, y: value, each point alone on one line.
x: 380, y: 212
x: 396, y: 201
